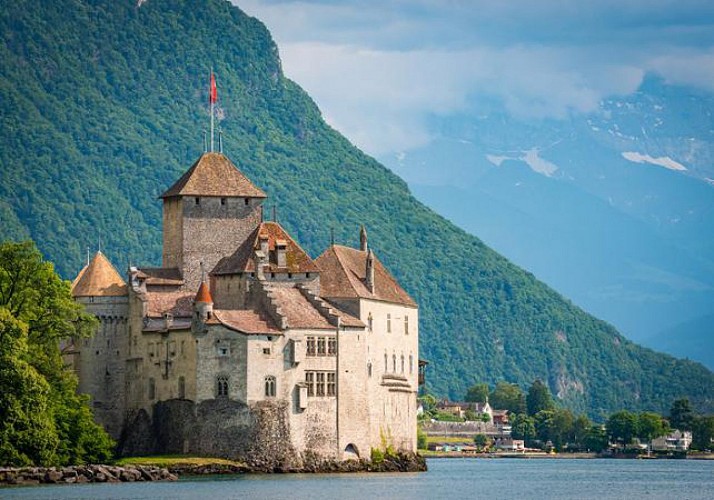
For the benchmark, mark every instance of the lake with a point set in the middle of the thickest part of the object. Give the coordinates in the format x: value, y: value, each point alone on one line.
x: 489, y: 479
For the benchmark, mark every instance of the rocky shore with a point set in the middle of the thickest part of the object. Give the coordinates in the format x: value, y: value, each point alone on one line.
x: 83, y: 474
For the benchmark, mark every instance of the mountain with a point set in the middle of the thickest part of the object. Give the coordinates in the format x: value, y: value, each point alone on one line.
x: 611, y: 208
x: 104, y: 106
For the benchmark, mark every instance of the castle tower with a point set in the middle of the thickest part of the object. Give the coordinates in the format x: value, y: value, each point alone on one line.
x: 99, y: 360
x: 208, y: 212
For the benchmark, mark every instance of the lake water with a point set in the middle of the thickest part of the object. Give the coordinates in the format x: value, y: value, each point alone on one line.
x: 458, y: 478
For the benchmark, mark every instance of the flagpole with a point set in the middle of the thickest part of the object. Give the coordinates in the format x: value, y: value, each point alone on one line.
x: 213, y: 104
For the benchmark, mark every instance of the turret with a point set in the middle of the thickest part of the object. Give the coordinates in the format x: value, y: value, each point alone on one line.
x: 363, y: 238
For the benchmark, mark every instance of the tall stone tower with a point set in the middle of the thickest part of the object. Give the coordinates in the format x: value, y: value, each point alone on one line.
x: 99, y: 361
x: 208, y: 213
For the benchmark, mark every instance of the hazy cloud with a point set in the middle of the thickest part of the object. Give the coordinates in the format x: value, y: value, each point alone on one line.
x: 378, y: 69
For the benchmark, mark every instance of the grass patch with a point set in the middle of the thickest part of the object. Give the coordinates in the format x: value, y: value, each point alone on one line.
x: 175, y: 460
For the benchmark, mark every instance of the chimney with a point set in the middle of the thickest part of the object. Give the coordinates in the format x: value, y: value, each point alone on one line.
x: 261, y: 255
x: 362, y: 238
x: 280, y: 253
x: 369, y: 272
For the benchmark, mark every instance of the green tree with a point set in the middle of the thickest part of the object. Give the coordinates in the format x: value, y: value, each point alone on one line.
x: 581, y: 427
x: 539, y: 398
x: 681, y: 415
x: 703, y: 433
x: 595, y: 439
x: 44, y: 421
x: 477, y: 393
x: 650, y: 426
x: 622, y: 426
x: 509, y: 397
x: 422, y: 439
x: 482, y: 441
x: 523, y: 427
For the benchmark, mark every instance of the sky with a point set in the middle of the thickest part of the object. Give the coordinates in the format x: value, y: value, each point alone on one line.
x: 380, y: 69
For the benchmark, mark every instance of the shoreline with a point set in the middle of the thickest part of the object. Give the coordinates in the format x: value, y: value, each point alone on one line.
x: 561, y: 456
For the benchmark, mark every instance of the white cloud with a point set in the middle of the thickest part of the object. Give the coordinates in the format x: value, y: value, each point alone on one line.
x: 379, y: 69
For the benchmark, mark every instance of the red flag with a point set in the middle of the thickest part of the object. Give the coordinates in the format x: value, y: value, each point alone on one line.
x: 213, y: 95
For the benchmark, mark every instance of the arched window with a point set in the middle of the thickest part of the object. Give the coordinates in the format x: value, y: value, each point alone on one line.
x: 394, y: 363
x: 369, y: 369
x: 402, y: 363
x: 269, y: 386
x: 385, y: 363
x: 370, y: 321
x: 182, y: 388
x: 222, y: 386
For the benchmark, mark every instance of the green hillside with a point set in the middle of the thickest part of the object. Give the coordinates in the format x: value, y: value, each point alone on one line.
x: 104, y: 106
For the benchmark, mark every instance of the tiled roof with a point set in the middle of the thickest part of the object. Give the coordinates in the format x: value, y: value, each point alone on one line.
x: 245, y: 321
x: 161, y: 276
x: 298, y: 310
x: 342, y: 275
x: 243, y: 260
x: 204, y: 294
x: 214, y: 174
x: 99, y: 279
x: 176, y: 303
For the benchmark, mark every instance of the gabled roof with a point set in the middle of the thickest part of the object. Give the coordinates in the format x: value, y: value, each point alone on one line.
x: 161, y: 276
x: 243, y: 260
x: 214, y: 174
x: 99, y: 278
x: 342, y: 275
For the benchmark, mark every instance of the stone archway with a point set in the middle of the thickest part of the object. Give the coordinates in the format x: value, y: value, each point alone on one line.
x: 351, y: 452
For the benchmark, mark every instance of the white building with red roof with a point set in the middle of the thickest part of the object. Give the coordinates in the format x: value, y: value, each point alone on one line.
x: 241, y: 345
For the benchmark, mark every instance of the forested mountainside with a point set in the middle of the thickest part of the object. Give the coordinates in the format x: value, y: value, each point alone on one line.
x: 104, y: 106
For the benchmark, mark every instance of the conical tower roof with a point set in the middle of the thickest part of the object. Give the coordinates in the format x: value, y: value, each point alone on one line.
x: 214, y: 174
x: 99, y: 278
x: 204, y: 294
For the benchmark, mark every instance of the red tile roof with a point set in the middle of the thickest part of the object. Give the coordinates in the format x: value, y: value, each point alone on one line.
x: 342, y: 275
x: 214, y: 174
x: 299, y: 312
x: 204, y: 294
x: 99, y: 278
x: 176, y: 303
x: 245, y: 321
x: 243, y: 260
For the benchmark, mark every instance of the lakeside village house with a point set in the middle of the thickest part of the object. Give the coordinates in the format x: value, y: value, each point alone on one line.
x: 241, y: 345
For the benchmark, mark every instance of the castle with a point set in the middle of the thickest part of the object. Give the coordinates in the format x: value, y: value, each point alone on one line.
x: 241, y: 345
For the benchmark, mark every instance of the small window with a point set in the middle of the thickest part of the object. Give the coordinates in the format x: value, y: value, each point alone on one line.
x: 266, y: 351
x: 223, y: 201
x: 370, y: 321
x: 406, y: 325
x: 290, y: 276
x: 311, y: 346
x: 307, y: 275
x: 320, y: 383
x: 197, y: 200
x: 411, y: 364
x: 402, y: 363
x: 182, y: 388
x: 386, y: 358
x: 394, y: 363
x: 222, y: 386
x: 152, y: 389
x: 331, y: 384
x: 269, y: 386
x: 247, y: 202
x: 310, y: 381
x: 332, y: 346
x: 321, y: 346
x: 389, y: 323
x: 369, y: 369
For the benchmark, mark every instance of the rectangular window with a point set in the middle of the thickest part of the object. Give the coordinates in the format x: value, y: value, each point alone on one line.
x: 406, y: 325
x: 310, y: 381
x: 389, y: 323
x: 320, y: 383
x: 311, y: 346
x: 223, y: 201
x: 321, y: 346
x: 266, y: 351
x: 152, y: 389
x: 332, y: 346
x: 331, y: 384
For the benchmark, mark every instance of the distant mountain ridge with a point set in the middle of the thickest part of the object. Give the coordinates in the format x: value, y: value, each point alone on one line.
x: 103, y: 108
x: 613, y: 209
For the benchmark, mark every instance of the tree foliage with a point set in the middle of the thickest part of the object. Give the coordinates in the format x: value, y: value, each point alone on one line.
x: 103, y: 108
x: 42, y: 419
x: 622, y: 426
x: 477, y: 393
x: 539, y: 398
x: 681, y: 415
x: 509, y: 397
